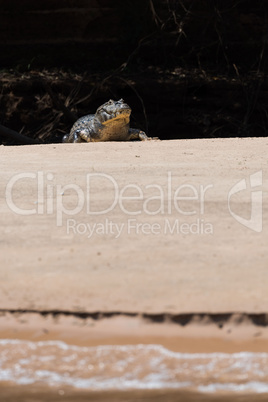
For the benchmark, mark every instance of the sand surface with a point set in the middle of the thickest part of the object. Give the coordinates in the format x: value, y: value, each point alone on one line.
x: 138, y: 242
x: 173, y: 255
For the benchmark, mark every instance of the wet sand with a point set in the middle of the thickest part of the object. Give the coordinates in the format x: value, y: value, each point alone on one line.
x: 39, y: 394
x: 237, y: 334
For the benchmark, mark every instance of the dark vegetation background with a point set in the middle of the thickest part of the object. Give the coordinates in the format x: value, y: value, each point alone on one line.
x: 188, y: 69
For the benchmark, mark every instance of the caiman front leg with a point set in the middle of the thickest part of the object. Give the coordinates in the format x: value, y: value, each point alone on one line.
x: 77, y: 136
x: 135, y: 134
x: 82, y: 135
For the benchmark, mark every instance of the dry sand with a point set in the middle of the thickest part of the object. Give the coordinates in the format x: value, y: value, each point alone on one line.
x: 45, y: 267
x: 174, y: 255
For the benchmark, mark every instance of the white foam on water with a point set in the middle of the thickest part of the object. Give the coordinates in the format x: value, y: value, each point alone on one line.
x: 251, y: 386
x: 113, y: 367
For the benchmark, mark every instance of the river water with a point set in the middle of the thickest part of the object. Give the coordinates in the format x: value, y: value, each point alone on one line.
x: 54, y: 363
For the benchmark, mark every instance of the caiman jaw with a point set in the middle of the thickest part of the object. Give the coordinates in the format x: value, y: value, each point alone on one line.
x: 125, y: 117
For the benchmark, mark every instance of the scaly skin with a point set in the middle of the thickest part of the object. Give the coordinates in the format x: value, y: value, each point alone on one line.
x: 109, y: 123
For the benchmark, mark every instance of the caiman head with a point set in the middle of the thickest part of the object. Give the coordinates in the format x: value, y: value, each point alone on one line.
x: 113, y: 111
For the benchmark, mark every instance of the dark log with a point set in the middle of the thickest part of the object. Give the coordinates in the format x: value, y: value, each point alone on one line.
x: 17, y: 138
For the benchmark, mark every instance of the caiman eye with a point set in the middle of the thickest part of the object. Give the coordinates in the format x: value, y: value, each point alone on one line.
x: 111, y: 102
